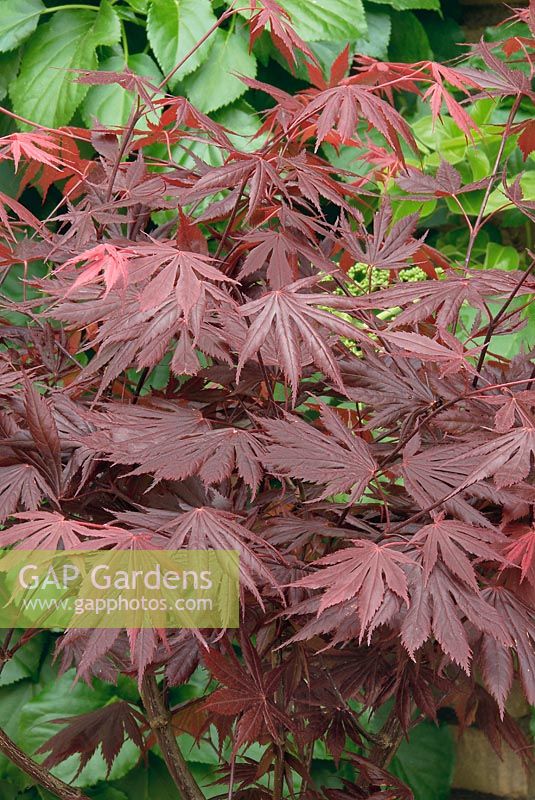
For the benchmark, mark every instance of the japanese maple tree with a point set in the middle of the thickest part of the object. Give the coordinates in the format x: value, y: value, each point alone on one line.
x: 191, y: 364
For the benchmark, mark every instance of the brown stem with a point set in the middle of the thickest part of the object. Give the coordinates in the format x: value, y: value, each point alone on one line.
x: 477, y: 225
x: 160, y: 721
x: 231, y: 219
x: 388, y: 740
x: 39, y: 774
x: 496, y: 319
x: 135, y: 115
x: 278, y: 776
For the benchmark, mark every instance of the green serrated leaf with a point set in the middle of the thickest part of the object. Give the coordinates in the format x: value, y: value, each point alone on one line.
x: 18, y: 20
x: 107, y: 28
x: 479, y: 163
x: 9, y: 66
x: 25, y: 662
x: 140, y: 6
x: 45, y: 91
x: 215, y: 84
x: 174, y: 27
x: 426, y: 761
x: 499, y: 256
x: 375, y: 42
x: 111, y: 104
x: 408, y: 5
x: 326, y: 20
x: 106, y: 793
x: 12, y: 700
x: 149, y: 783
x: 409, y: 41
x: 8, y: 791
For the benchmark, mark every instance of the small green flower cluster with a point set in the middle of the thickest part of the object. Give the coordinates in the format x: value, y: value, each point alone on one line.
x: 370, y: 280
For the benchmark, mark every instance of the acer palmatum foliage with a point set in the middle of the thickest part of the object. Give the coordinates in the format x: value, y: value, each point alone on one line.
x: 211, y: 376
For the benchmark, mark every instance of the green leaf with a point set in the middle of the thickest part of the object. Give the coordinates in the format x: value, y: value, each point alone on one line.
x: 499, y: 256
x: 407, y: 5
x: 63, y: 698
x: 45, y: 91
x: 8, y: 791
x: 445, y: 36
x: 9, y: 66
x: 426, y: 761
x: 215, y: 83
x: 151, y: 782
x: 174, y: 27
x: 107, y: 27
x: 111, y: 104
x: 106, y: 793
x: 409, y: 40
x: 138, y: 5
x: 18, y: 20
x: 375, y: 42
x: 25, y: 662
x: 328, y: 20
x: 12, y: 700
x: 479, y: 163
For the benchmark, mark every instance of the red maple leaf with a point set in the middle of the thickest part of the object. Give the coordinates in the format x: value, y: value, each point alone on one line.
x: 105, y: 261
x: 248, y: 694
x: 450, y: 540
x: 298, y: 327
x: 362, y: 571
x: 338, y: 460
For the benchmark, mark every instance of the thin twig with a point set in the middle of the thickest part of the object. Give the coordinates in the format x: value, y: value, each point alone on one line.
x: 496, y: 319
x: 141, y: 382
x: 477, y: 224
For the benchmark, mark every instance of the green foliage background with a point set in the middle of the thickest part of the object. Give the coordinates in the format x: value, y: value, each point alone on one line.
x: 40, y: 45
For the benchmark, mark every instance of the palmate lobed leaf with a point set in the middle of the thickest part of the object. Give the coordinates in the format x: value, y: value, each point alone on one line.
x: 298, y: 327
x: 249, y: 692
x: 106, y: 728
x: 338, y: 460
x: 368, y: 569
x: 452, y: 540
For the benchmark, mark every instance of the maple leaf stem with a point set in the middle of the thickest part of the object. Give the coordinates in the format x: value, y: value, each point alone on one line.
x: 419, y: 514
x: 269, y: 387
x: 135, y: 115
x: 388, y: 741
x: 371, y: 737
x: 278, y: 776
x: 531, y: 379
x: 38, y: 773
x: 231, y: 219
x: 231, y: 778
x: 141, y: 382
x: 477, y: 224
x: 160, y: 720
x: 496, y: 319
x: 226, y: 14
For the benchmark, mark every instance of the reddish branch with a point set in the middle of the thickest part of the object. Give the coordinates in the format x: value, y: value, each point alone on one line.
x: 160, y: 721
